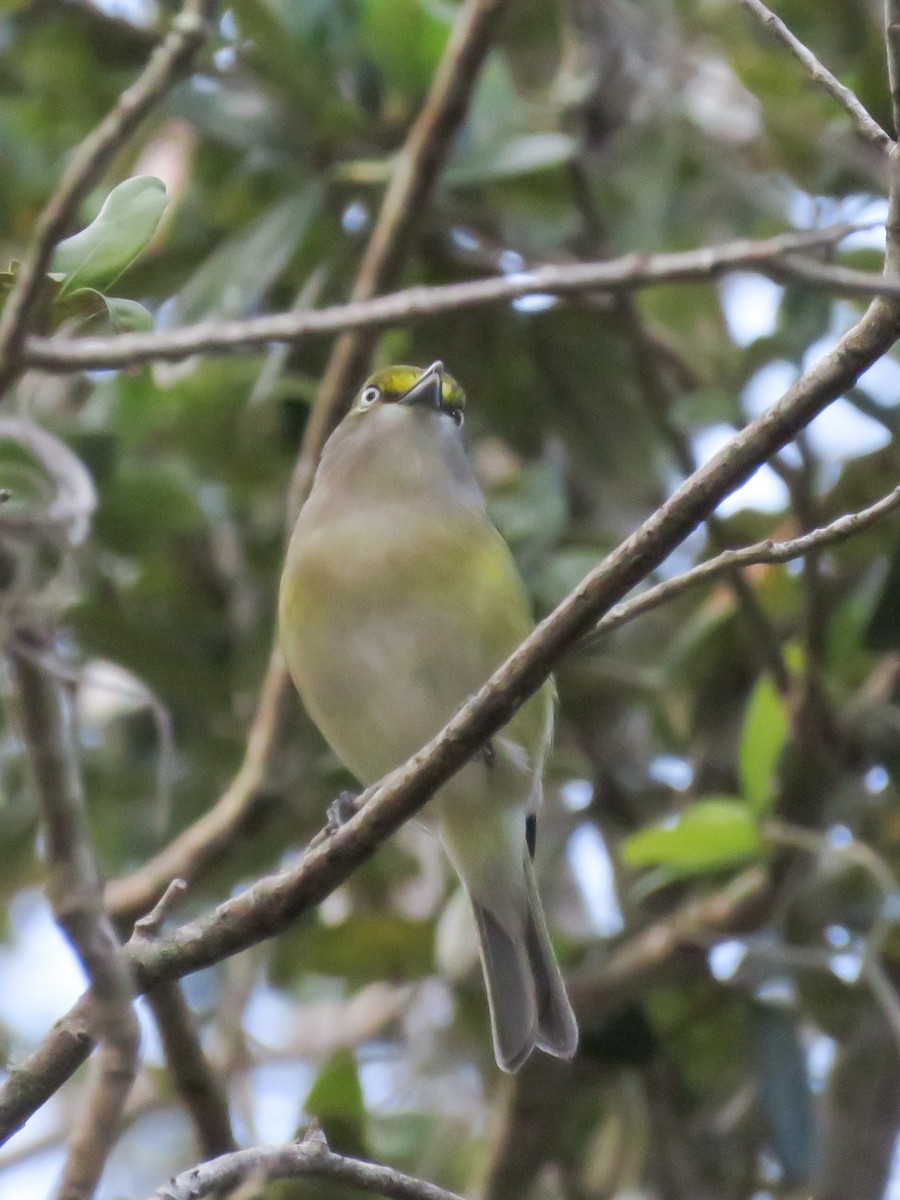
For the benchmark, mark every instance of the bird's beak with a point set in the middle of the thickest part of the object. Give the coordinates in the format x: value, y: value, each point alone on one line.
x: 428, y: 391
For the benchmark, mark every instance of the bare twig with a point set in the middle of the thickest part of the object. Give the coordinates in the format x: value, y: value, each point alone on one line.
x: 76, y: 896
x: 167, y: 63
x: 310, y: 1158
x: 772, y: 256
x: 150, y: 925
x: 762, y: 552
x: 863, y: 120
x: 268, y: 906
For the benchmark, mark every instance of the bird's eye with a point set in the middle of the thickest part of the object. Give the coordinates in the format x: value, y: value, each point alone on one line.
x: 369, y: 396
x: 457, y: 416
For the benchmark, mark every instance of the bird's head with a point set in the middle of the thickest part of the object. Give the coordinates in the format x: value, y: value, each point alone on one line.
x: 412, y: 389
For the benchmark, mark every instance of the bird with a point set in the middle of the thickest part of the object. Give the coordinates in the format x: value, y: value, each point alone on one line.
x: 398, y: 600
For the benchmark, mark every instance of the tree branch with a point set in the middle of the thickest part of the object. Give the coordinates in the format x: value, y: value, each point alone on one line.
x: 167, y: 63
x: 310, y: 1158
x: 775, y: 257
x: 76, y: 896
x: 860, y: 116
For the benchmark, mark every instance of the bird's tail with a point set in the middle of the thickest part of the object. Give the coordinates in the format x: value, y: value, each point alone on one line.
x: 527, y: 997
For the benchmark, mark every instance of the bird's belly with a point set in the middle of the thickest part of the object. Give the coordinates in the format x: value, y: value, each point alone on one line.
x: 379, y: 686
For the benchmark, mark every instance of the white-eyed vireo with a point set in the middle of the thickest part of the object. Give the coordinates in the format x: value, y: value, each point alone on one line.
x: 399, y: 599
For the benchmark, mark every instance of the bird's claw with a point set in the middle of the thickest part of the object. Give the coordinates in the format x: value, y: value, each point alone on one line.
x: 341, y: 810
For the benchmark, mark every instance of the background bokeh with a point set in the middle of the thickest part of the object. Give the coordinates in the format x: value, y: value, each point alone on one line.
x: 758, y: 1063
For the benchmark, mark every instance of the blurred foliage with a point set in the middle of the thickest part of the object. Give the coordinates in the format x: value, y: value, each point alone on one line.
x: 597, y: 128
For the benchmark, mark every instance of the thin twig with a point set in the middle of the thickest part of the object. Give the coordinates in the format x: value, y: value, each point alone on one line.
x: 775, y: 257
x: 76, y: 896
x: 762, y: 552
x: 310, y: 1158
x: 859, y: 115
x: 150, y: 925
x: 170, y: 60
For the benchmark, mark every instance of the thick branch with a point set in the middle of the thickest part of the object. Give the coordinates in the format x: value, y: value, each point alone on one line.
x: 266, y: 908
x: 308, y: 1159
x: 167, y: 63
x: 860, y: 116
x: 772, y: 256
x: 76, y: 896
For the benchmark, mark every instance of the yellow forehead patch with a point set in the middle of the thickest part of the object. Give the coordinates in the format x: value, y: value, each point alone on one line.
x: 395, y: 382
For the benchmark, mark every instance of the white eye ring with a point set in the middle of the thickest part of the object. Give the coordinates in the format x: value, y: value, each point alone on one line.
x: 369, y: 396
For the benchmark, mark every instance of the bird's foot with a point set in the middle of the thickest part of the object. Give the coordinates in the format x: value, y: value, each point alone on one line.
x: 341, y: 810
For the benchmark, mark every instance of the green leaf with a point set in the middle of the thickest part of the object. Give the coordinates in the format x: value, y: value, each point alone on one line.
x: 98, y: 255
x: 765, y: 732
x: 336, y: 1091
x: 127, y: 316
x: 711, y: 834
x: 336, y: 1100
x: 124, y: 316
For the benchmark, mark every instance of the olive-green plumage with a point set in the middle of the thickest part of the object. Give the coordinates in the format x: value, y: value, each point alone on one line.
x: 399, y: 599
